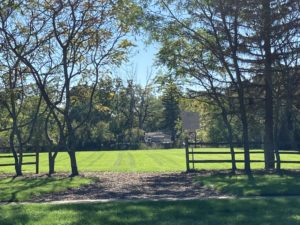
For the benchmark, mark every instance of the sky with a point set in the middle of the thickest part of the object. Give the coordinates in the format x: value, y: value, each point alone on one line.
x: 141, y: 63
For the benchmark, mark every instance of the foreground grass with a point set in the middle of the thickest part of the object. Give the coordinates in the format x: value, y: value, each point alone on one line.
x: 232, y: 212
x: 140, y: 161
x: 23, y: 189
x: 258, y: 185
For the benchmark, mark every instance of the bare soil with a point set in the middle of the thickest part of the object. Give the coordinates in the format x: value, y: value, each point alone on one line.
x: 135, y: 186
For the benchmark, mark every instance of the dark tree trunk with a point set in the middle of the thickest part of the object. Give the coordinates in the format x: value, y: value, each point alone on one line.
x: 269, y: 136
x: 18, y: 168
x: 52, y: 158
x: 246, y: 146
x: 276, y: 132
x: 278, y: 162
x: 230, y: 140
x: 245, y: 131
x: 289, y: 112
x: 73, y: 163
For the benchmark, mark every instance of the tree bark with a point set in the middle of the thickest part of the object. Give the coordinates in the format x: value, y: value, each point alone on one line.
x: 230, y: 140
x: 245, y: 138
x: 18, y: 168
x: 73, y: 163
x: 51, y: 158
x: 268, y: 76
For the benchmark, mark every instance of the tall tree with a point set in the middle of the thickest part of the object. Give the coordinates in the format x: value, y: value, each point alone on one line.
x: 215, y: 26
x: 171, y: 111
x: 22, y: 105
x: 65, y: 44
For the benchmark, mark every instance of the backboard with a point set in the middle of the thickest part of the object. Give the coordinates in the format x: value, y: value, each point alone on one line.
x: 190, y: 120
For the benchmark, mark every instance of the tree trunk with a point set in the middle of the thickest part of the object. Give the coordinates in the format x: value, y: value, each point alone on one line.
x: 246, y: 147
x: 278, y: 162
x: 269, y: 136
x: 18, y: 169
x: 289, y: 112
x: 276, y: 136
x: 230, y: 140
x: 245, y: 132
x: 73, y: 163
x: 51, y: 158
x: 20, y: 150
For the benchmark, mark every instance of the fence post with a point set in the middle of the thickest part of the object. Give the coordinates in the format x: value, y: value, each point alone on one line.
x: 187, y: 154
x: 37, y: 161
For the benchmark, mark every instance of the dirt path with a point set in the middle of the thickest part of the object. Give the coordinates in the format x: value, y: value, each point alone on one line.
x: 135, y: 186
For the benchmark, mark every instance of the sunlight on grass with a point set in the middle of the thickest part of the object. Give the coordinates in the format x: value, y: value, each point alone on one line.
x: 258, y: 185
x: 172, y: 160
x: 22, y: 189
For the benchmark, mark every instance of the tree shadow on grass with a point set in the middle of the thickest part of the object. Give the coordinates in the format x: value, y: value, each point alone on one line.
x: 137, y: 186
x: 23, y: 189
x: 260, y: 184
x: 233, y: 212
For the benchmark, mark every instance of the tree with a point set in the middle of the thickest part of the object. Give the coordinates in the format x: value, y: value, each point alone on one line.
x: 65, y: 44
x: 171, y: 111
x: 274, y: 33
x: 215, y: 26
x: 22, y: 105
x: 238, y: 43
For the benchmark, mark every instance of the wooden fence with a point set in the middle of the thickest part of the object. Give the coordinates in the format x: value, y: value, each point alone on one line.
x: 192, y: 149
x: 36, y: 156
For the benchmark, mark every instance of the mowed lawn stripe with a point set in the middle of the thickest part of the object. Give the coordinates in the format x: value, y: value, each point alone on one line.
x: 131, y: 161
x: 140, y: 161
x: 89, y: 159
x: 165, y: 162
x: 118, y: 161
x: 155, y: 161
x: 106, y: 163
x: 170, y: 160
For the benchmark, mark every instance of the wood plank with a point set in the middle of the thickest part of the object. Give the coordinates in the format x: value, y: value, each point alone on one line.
x: 11, y: 156
x: 251, y: 152
x: 222, y: 153
x: 238, y: 161
x: 288, y: 153
x: 29, y: 155
x: 187, y: 155
x: 224, y: 161
x: 7, y: 164
x: 284, y: 161
x: 29, y: 163
x: 6, y: 156
x: 221, y: 143
x: 12, y: 164
x: 37, y: 162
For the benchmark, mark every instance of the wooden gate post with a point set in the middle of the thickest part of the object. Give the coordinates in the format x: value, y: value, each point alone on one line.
x: 37, y: 161
x: 187, y: 155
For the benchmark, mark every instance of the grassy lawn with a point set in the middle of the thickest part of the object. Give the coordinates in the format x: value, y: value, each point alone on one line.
x: 259, y: 185
x: 231, y: 212
x: 279, y: 211
x: 22, y: 189
x: 140, y: 161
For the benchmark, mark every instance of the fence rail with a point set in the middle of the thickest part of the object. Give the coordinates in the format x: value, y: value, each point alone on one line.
x: 189, y: 150
x: 24, y: 155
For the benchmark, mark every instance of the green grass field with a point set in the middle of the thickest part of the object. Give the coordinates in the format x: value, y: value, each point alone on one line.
x: 281, y: 211
x: 23, y: 189
x: 278, y: 211
x: 139, y: 161
x: 287, y: 184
